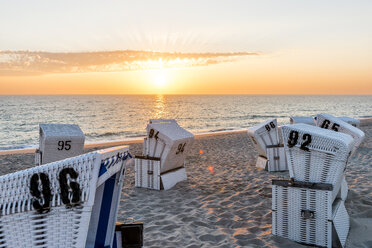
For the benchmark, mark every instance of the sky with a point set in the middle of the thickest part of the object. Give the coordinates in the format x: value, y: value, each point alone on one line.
x: 185, y: 47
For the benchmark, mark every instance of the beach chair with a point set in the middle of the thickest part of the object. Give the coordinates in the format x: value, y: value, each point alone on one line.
x: 154, y: 121
x: 306, y: 213
x: 302, y: 119
x: 330, y: 122
x: 265, y: 137
x: 68, y: 203
x: 163, y: 163
x: 316, y: 155
x: 59, y: 141
x: 351, y: 121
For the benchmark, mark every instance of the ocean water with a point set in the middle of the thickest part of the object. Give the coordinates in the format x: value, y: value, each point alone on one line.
x: 104, y: 118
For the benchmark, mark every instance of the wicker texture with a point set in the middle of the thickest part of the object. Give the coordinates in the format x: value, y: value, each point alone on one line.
x: 328, y: 121
x: 305, y: 215
x: 326, y: 157
x: 263, y: 135
x: 61, y: 224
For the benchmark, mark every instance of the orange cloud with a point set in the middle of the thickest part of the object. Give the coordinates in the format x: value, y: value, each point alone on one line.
x: 20, y: 63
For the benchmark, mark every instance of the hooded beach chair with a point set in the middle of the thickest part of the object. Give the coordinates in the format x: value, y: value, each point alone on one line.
x: 265, y: 138
x: 162, y: 165
x: 309, y: 208
x: 316, y: 155
x: 68, y: 203
x: 59, y: 141
x: 154, y: 121
x: 333, y: 123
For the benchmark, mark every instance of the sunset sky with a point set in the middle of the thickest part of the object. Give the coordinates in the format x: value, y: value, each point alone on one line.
x: 185, y: 47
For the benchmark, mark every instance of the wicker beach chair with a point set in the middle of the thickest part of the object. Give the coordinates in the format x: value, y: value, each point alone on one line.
x: 306, y: 213
x: 167, y: 146
x: 156, y: 121
x: 316, y: 155
x: 302, y: 119
x: 265, y: 138
x: 68, y: 203
x: 330, y: 122
x: 59, y: 141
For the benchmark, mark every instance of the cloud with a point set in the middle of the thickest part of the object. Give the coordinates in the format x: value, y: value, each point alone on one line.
x: 19, y: 63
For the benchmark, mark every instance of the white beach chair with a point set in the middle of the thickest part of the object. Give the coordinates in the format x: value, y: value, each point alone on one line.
x: 170, y: 143
x: 306, y: 213
x: 316, y: 155
x: 264, y: 135
x: 351, y: 121
x: 68, y: 203
x: 302, y: 119
x: 59, y: 141
x: 330, y: 122
x: 155, y: 121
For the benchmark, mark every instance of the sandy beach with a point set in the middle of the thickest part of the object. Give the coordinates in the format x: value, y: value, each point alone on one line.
x: 226, y: 201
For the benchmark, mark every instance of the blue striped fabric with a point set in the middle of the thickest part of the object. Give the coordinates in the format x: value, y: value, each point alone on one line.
x: 106, y: 204
x: 105, y: 212
x: 107, y: 163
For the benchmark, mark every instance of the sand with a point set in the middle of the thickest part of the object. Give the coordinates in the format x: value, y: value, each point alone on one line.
x: 226, y: 201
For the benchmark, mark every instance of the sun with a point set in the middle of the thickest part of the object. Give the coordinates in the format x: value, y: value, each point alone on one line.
x: 160, y: 79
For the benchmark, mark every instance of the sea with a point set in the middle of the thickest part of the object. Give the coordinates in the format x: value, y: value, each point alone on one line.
x: 116, y: 117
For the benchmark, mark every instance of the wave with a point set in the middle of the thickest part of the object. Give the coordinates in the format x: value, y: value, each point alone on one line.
x: 121, y: 134
x: 17, y: 147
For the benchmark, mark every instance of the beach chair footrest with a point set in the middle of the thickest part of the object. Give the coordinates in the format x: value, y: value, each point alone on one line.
x: 128, y: 235
x: 148, y: 175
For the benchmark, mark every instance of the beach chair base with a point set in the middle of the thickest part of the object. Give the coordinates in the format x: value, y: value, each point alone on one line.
x: 128, y: 235
x: 169, y: 179
x: 261, y: 162
x: 305, y: 213
x: 147, y: 174
x: 276, y: 159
